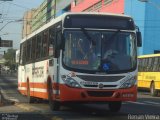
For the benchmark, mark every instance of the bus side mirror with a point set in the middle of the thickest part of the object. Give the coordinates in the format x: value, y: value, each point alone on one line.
x: 139, y: 39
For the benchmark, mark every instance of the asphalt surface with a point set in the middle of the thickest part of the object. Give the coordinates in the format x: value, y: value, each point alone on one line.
x: 145, y: 108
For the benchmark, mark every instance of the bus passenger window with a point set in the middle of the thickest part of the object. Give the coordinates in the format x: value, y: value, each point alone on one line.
x: 44, y: 44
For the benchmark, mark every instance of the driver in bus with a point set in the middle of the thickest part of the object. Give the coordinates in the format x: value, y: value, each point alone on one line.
x: 109, y: 52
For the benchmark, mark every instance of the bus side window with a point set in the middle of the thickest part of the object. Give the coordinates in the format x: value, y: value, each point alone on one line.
x: 39, y: 45
x: 155, y: 64
x: 149, y: 66
x: 21, y: 54
x: 140, y: 65
x: 45, y: 44
x: 158, y: 64
x: 24, y: 53
x: 152, y: 64
x: 33, y: 48
x: 28, y: 50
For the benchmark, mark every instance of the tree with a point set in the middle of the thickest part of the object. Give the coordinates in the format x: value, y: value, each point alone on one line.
x: 9, y: 56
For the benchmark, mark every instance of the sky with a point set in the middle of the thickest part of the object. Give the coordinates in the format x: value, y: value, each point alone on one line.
x: 10, y: 11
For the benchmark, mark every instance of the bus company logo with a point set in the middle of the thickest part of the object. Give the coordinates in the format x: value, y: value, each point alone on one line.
x: 101, y: 85
x: 38, y: 72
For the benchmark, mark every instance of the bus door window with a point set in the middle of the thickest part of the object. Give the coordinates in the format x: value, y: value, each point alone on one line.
x: 51, y: 41
x: 69, y: 45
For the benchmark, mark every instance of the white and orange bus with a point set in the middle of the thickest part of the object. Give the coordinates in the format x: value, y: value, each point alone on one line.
x: 81, y: 57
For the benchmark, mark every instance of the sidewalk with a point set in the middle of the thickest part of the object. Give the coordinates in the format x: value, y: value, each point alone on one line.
x: 9, y: 90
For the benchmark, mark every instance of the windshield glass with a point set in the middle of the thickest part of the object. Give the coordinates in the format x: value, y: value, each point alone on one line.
x: 99, y: 51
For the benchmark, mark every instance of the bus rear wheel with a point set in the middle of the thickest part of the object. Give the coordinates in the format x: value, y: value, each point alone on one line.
x: 54, y: 105
x: 153, y: 91
x: 115, y: 106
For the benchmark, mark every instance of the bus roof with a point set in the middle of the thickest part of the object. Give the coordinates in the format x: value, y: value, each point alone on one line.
x: 61, y: 17
x: 149, y: 55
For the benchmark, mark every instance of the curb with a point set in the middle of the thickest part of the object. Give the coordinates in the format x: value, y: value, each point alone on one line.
x: 3, y: 99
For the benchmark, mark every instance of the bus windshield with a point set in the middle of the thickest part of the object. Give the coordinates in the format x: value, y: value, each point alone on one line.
x: 99, y: 51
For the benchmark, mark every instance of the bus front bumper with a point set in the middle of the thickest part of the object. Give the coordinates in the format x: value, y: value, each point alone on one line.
x: 96, y: 95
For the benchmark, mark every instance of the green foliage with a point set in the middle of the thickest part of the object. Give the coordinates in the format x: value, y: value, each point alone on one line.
x: 9, y: 56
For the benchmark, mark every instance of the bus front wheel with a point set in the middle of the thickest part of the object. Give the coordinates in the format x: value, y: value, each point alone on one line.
x: 153, y: 91
x: 54, y: 105
x: 115, y: 106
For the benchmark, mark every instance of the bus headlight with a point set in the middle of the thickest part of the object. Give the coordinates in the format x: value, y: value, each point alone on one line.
x: 129, y: 83
x: 70, y: 82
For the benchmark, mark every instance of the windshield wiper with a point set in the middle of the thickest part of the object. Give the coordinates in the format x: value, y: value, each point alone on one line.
x: 114, y: 34
x: 88, y: 36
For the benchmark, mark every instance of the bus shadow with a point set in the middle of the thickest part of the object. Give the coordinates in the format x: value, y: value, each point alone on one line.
x: 99, y: 110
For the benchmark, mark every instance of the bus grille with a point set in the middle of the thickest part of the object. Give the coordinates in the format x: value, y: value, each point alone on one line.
x: 100, y: 93
x: 100, y: 78
x: 103, y: 86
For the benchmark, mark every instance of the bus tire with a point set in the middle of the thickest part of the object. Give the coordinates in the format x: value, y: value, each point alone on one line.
x: 115, y: 106
x: 29, y: 98
x: 153, y: 91
x: 53, y: 104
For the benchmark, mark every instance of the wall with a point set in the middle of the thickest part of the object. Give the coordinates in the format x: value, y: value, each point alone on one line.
x: 27, y: 22
x: 111, y: 6
x: 147, y: 17
x: 136, y: 9
x: 46, y: 11
x: 152, y: 27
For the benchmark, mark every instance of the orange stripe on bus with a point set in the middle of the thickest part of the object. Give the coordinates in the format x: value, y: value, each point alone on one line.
x: 39, y: 95
x: 39, y: 85
x: 35, y: 94
x: 22, y: 84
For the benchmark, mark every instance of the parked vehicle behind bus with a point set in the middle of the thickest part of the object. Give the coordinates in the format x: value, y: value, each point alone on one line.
x: 81, y: 57
x: 149, y: 72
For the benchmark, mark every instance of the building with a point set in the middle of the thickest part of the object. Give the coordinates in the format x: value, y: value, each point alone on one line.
x: 145, y: 14
x: 147, y: 17
x: 26, y: 29
x: 114, y: 6
x: 48, y: 10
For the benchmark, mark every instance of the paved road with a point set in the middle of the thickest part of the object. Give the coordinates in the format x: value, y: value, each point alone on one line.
x: 146, y: 108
